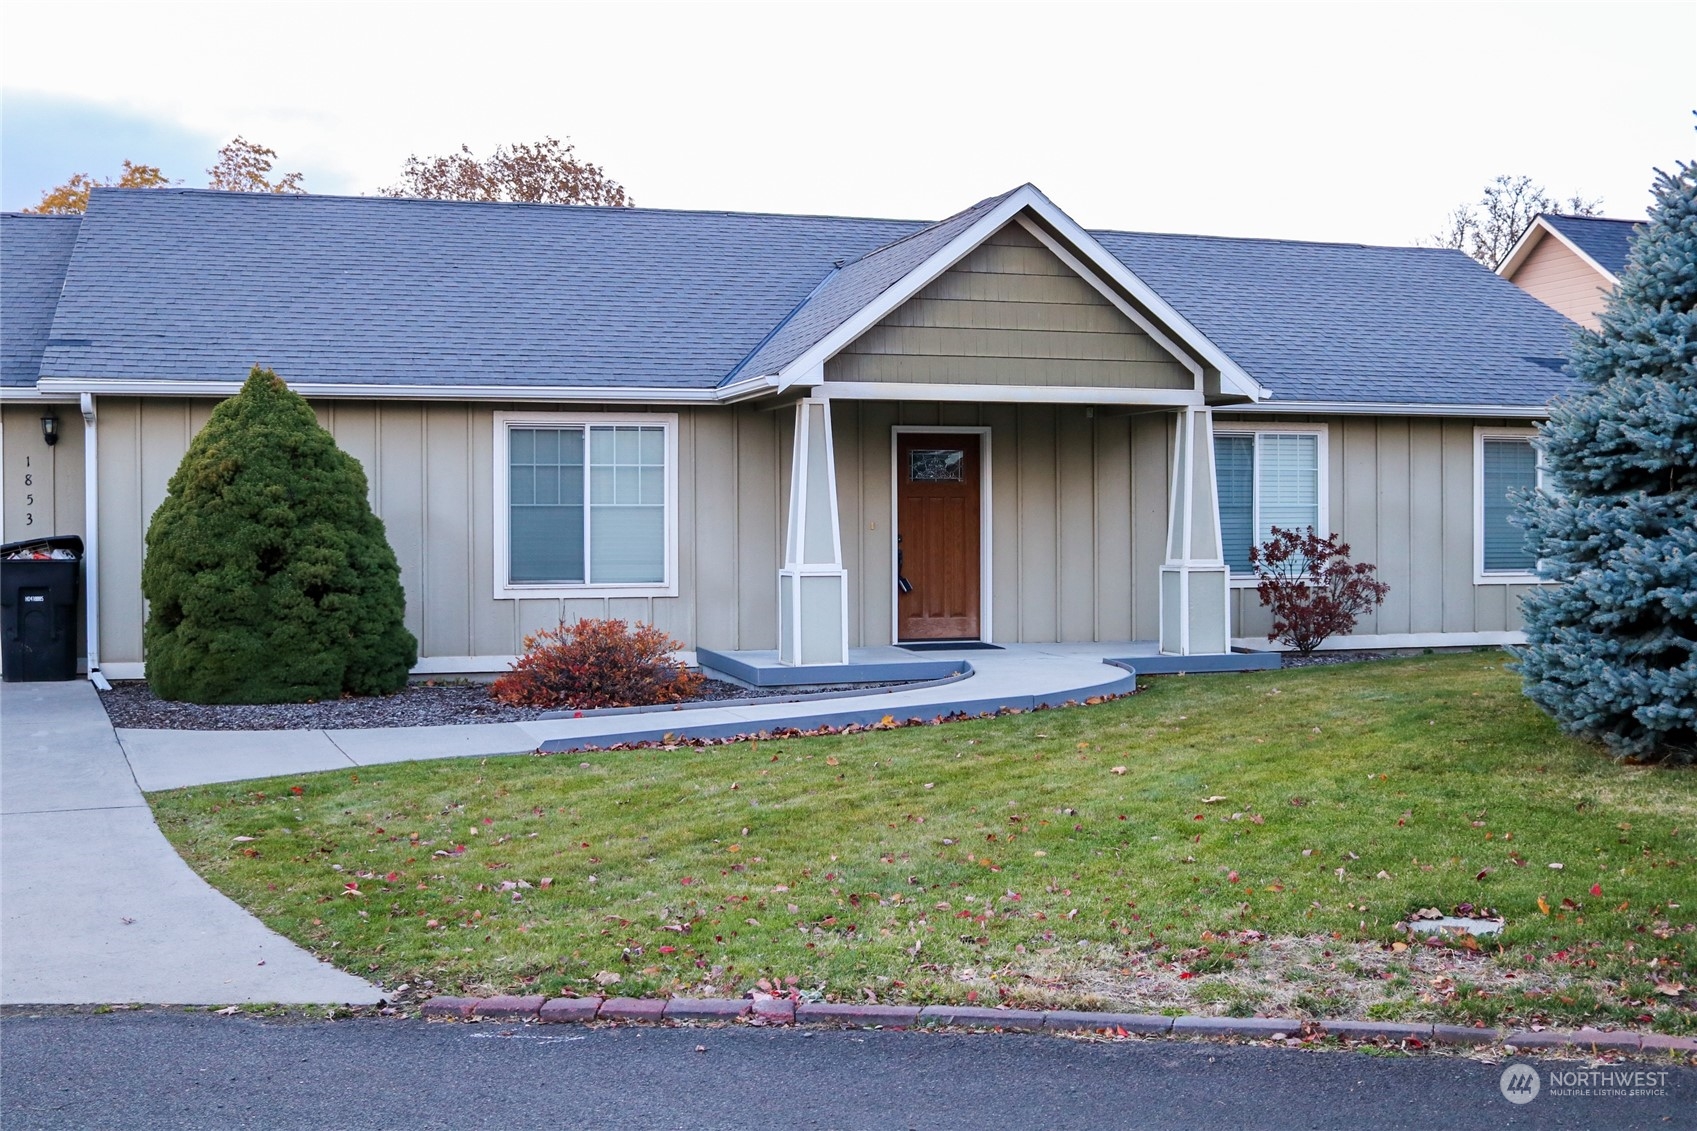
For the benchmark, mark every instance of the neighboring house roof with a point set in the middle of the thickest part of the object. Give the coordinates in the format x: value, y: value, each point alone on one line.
x: 1601, y: 242
x: 193, y: 285
x: 36, y: 250
x: 1605, y: 241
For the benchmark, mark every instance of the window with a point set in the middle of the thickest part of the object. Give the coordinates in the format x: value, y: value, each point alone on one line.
x: 1504, y: 462
x: 585, y: 505
x: 1267, y: 478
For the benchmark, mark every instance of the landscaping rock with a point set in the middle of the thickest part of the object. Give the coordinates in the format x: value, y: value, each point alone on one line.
x: 564, y: 1010
x: 510, y: 1008
x: 458, y: 1007
x: 1379, y: 1030
x: 1656, y: 1042
x: 1599, y: 1039
x: 631, y: 1009
x: 1067, y: 1019
x: 1235, y: 1027
x: 1024, y: 1020
x: 706, y: 1009
x: 857, y: 1015
x: 1464, y: 1035
x: 1451, y: 924
x: 1549, y: 1039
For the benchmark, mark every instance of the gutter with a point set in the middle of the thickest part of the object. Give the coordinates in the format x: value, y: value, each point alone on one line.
x: 91, y: 540
x: 1387, y: 408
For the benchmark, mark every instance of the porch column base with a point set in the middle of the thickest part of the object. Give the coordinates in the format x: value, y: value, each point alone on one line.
x: 812, y: 615
x: 812, y: 584
x: 1195, y: 608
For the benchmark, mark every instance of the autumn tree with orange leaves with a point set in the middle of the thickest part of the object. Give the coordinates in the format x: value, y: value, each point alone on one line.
x: 72, y: 196
x: 242, y: 166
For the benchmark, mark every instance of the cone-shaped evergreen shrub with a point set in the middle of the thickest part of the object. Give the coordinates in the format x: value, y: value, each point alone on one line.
x: 1612, y: 650
x: 268, y: 577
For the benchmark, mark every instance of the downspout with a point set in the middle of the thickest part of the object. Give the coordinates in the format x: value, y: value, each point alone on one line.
x: 91, y: 540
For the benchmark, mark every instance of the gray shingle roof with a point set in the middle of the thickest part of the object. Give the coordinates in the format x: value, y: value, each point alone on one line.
x: 34, y: 252
x: 1353, y: 323
x: 855, y: 284
x: 198, y: 285
x: 1606, y: 241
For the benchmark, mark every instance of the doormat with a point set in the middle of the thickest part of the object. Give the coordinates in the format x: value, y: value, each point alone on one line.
x: 948, y: 646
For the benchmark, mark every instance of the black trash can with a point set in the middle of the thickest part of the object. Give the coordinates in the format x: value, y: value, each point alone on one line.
x: 39, y: 581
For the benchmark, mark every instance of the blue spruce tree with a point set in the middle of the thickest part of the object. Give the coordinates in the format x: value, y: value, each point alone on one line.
x: 1612, y: 646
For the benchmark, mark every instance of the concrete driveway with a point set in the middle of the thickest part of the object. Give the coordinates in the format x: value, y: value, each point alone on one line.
x: 95, y: 905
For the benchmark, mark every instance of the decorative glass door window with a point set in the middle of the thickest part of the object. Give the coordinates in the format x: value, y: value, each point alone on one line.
x: 587, y: 504
x: 936, y: 465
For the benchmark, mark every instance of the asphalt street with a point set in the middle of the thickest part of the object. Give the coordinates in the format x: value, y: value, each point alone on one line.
x: 163, y: 1068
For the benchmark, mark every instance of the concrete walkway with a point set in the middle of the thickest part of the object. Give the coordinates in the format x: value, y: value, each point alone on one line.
x: 1020, y: 676
x: 95, y: 905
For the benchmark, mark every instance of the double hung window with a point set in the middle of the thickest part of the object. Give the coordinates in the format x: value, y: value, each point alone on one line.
x: 1267, y: 478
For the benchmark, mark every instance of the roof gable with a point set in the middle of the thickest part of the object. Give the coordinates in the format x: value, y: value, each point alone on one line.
x: 862, y: 294
x: 1603, y: 244
x: 34, y: 253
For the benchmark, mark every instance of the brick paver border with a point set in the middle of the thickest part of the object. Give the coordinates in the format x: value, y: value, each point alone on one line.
x: 785, y: 1011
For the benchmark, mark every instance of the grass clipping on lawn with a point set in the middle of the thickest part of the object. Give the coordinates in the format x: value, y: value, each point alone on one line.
x: 1230, y: 844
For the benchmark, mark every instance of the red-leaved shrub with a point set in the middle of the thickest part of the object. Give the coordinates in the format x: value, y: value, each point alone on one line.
x: 597, y: 663
x: 1312, y: 587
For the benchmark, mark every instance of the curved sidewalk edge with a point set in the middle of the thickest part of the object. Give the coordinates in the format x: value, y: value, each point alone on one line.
x: 96, y: 907
x: 782, y: 1011
x: 170, y: 759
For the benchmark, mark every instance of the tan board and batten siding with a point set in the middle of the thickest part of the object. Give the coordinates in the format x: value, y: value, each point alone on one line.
x: 1401, y: 495
x: 430, y: 467
x: 1557, y: 277
x: 43, y: 485
x: 1078, y: 513
x: 1009, y: 313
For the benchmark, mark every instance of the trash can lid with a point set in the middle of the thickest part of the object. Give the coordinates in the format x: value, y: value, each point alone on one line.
x: 43, y: 545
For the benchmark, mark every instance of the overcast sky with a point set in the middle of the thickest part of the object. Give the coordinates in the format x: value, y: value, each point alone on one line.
x: 1351, y: 122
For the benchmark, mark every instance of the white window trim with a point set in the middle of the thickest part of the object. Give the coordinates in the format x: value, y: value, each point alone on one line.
x: 1322, y: 434
x: 505, y: 422
x: 1482, y: 576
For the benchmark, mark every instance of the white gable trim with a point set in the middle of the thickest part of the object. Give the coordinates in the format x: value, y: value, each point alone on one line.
x: 809, y: 367
x: 1526, y: 244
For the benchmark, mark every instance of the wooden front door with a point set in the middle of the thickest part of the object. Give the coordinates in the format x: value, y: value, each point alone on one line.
x: 938, y: 534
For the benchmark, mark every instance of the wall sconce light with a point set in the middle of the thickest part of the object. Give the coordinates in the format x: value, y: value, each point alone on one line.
x: 50, y: 428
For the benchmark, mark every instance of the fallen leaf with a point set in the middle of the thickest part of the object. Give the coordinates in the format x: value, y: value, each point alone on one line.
x: 1543, y: 905
x: 607, y: 978
x: 1596, y: 889
x: 1215, y: 800
x: 1117, y: 770
x: 228, y: 1011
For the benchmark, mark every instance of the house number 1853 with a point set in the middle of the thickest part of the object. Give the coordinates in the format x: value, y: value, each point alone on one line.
x: 29, y: 497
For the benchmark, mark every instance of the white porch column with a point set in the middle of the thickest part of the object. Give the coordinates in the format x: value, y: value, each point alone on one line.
x: 1195, y: 594
x: 813, y: 585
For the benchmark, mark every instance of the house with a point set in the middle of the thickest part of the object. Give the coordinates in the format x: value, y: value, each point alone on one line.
x: 1571, y: 263
x: 799, y: 433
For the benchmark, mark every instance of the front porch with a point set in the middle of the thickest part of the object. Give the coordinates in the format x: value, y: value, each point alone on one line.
x: 1016, y: 524
x: 1034, y: 665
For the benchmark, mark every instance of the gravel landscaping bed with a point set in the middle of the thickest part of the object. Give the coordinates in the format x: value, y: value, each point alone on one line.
x: 1292, y: 660
x: 131, y: 704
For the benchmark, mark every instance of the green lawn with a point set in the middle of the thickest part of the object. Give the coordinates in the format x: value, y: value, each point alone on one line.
x: 1229, y: 843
